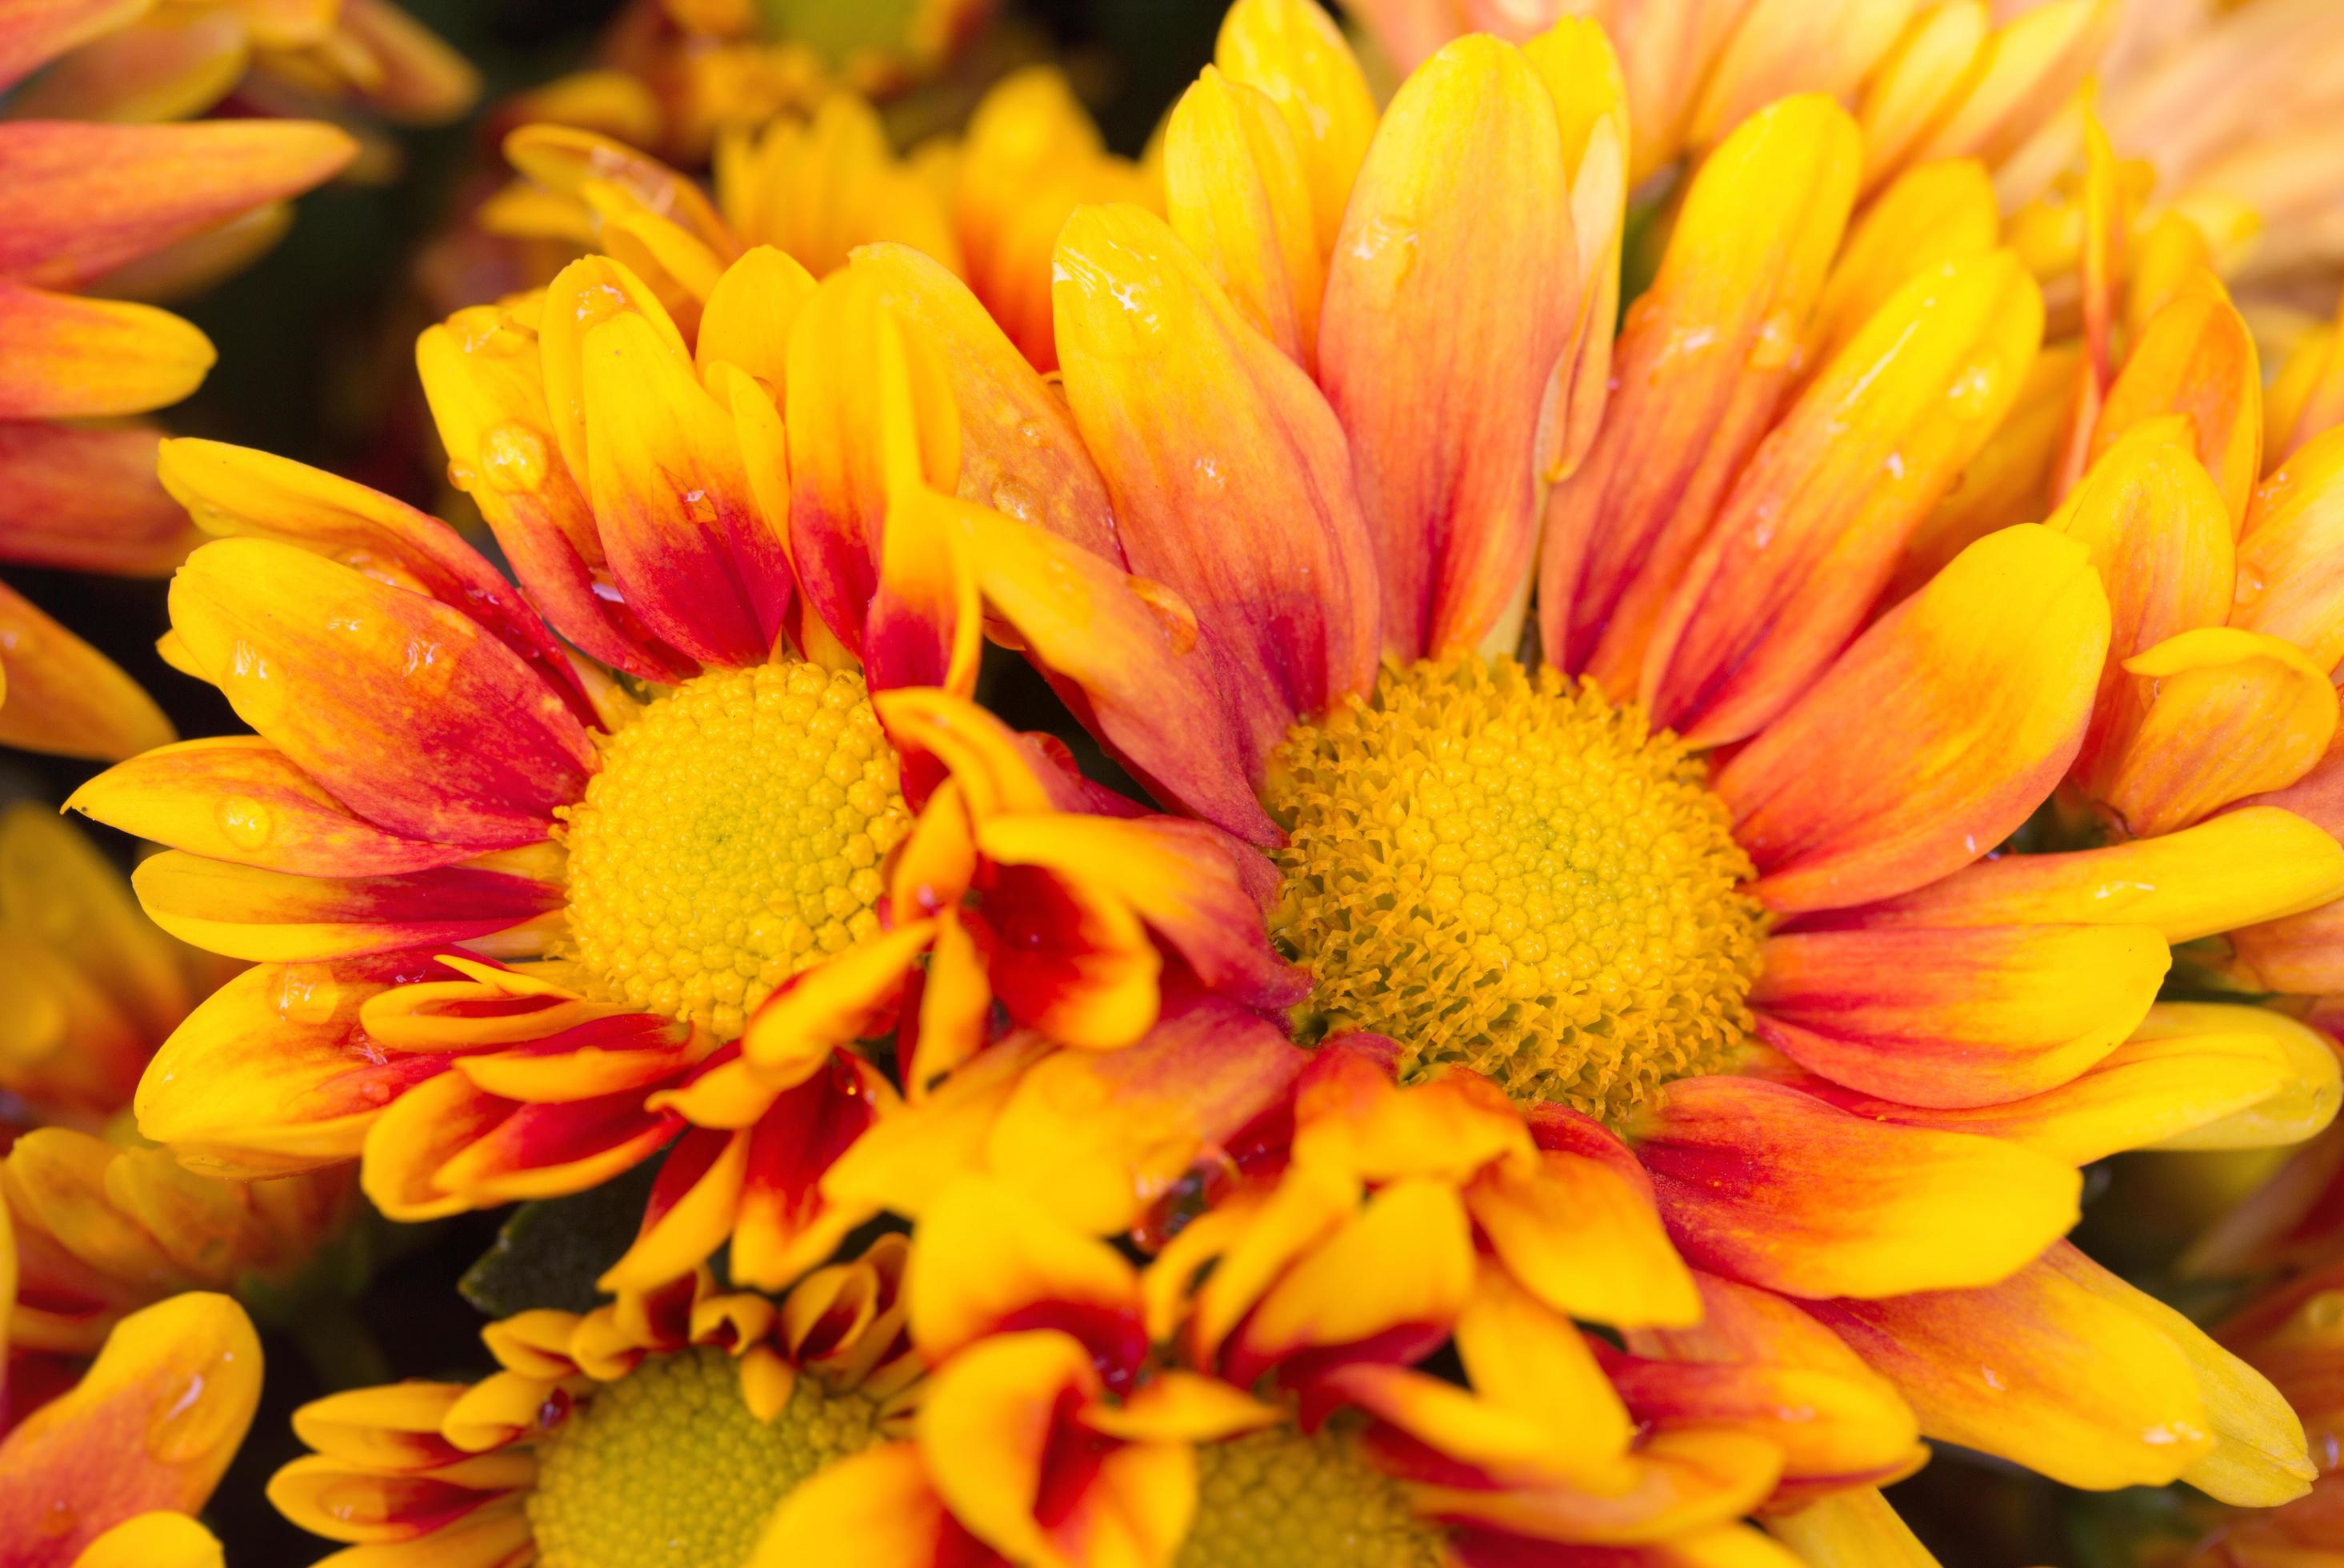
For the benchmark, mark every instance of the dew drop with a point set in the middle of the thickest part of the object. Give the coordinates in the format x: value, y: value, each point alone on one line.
x: 245, y: 822
x: 1776, y: 346
x: 1972, y: 392
x: 188, y: 1427
x: 1013, y: 498
x: 307, y: 993
x: 514, y: 456
x: 1032, y: 433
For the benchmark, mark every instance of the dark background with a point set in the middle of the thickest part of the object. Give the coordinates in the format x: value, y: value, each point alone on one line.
x: 315, y: 344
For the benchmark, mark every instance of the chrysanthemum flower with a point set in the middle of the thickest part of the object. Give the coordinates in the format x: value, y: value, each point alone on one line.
x: 104, y: 1223
x: 664, y: 1426
x: 987, y: 204
x: 513, y: 912
x: 120, y: 208
x: 108, y: 1473
x: 1717, y: 874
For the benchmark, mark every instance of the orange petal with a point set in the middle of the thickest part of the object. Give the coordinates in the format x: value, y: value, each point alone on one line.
x: 1940, y: 730
x: 1809, y: 535
x: 78, y: 200
x: 1438, y: 295
x: 2195, y: 1074
x: 1398, y: 1273
x: 271, y: 1075
x: 71, y: 358
x: 1581, y: 70
x: 1781, y: 47
x: 59, y: 695
x: 405, y: 710
x: 1683, y: 1485
x: 2046, y: 1369
x: 1524, y: 1357
x: 2301, y: 952
x: 986, y: 1257
x: 1916, y: 82
x: 1853, y: 1529
x: 236, y: 492
x: 1774, y: 1187
x: 1349, y: 1117
x: 1230, y: 476
x: 2026, y: 71
x: 445, y: 1147
x: 1583, y: 1235
x: 150, y: 1425
x: 692, y: 553
x: 1292, y: 51
x: 484, y: 376
x: 2224, y: 714
x: 84, y: 498
x: 1020, y: 453
x: 1126, y: 653
x: 1960, y: 1017
x: 157, y: 1539
x: 168, y: 66
x: 1236, y: 193
x: 2290, y: 581
x: 2160, y: 541
x: 2197, y: 358
x: 37, y: 34
x: 1701, y: 361
x: 238, y: 799
x: 2257, y: 863
x: 1935, y: 213
x: 986, y: 1424
x: 2010, y: 478
x: 876, y: 1509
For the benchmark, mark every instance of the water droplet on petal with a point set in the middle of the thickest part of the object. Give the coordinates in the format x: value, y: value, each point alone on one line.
x: 1013, y: 498
x: 245, y: 822
x: 307, y: 993
x: 514, y: 456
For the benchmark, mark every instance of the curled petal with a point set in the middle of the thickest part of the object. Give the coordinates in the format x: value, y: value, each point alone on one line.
x: 1973, y: 695
x: 1436, y: 295
x: 2224, y: 714
x: 2196, y: 358
x: 1741, y: 1166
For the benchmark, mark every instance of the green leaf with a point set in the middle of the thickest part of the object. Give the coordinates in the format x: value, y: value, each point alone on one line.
x: 551, y: 1252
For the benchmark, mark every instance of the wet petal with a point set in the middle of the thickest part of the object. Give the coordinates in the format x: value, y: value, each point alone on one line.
x: 1810, y: 531
x: 1954, y: 714
x: 1701, y: 359
x: 1436, y: 295
x: 405, y: 710
x: 1229, y: 474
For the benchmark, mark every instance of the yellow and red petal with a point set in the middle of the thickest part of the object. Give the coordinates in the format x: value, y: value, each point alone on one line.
x: 1852, y: 1528
x: 2022, y: 73
x: 345, y: 1502
x: 271, y: 1074
x: 270, y: 916
x: 1127, y: 655
x: 1704, y: 357
x: 84, y: 498
x: 690, y: 549
x: 1292, y: 51
x: 59, y: 695
x: 988, y: 1257
x: 1237, y: 192
x: 1939, y: 730
x: 70, y: 358
x: 35, y: 34
x: 445, y: 1145
x: 1929, y: 215
x: 1349, y: 1117
x: 1765, y: 1183
x: 786, y: 1222
x: 2290, y: 579
x: 408, y: 711
x: 239, y: 800
x: 77, y: 200
x: 2254, y: 864
x: 2223, y: 714
x: 1682, y: 1484
x: 1956, y: 1017
x: 876, y: 1509
x: 2160, y: 538
x: 1230, y: 476
x: 1442, y: 292
x: 151, y: 1425
x: 1582, y: 1233
x: 1810, y: 533
x: 2195, y: 358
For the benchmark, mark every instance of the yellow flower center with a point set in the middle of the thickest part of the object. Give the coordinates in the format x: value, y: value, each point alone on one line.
x: 732, y: 839
x: 668, y: 1466
x: 1499, y: 868
x: 1278, y: 1499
